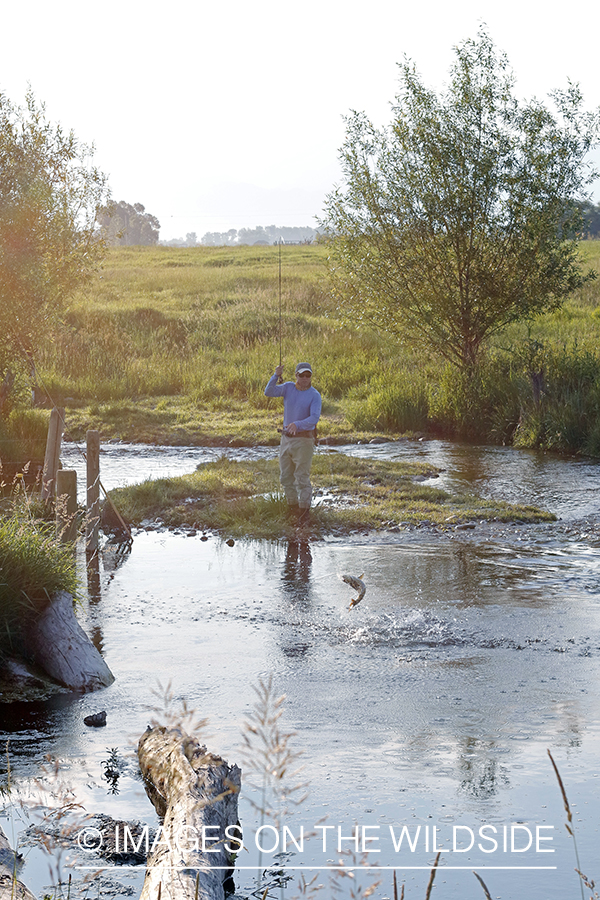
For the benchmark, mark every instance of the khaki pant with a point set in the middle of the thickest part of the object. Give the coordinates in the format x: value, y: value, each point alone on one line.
x: 295, y: 458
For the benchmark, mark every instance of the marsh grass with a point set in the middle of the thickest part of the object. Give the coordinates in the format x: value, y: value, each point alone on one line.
x: 270, y: 764
x: 484, y: 886
x: 270, y: 767
x: 23, y: 435
x: 242, y: 498
x: 432, y: 877
x: 171, y: 711
x: 33, y: 566
x: 175, y: 346
x: 347, y: 879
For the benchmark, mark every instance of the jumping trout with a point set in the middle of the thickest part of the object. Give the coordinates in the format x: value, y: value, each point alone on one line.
x: 358, y: 585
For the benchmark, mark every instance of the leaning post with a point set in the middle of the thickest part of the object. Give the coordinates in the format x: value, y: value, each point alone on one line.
x: 93, y: 492
x: 52, y: 457
x: 66, y: 505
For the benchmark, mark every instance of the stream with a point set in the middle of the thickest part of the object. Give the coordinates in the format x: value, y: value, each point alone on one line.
x: 424, y: 713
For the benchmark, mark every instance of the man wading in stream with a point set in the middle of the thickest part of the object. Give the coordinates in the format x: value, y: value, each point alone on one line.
x: 301, y: 411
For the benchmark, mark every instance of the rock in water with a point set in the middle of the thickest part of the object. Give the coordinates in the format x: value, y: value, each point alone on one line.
x: 96, y: 720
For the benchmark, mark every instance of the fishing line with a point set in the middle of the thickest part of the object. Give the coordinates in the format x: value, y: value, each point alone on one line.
x: 280, y: 379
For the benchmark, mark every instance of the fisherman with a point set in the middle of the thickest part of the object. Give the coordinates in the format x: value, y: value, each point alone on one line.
x: 301, y: 411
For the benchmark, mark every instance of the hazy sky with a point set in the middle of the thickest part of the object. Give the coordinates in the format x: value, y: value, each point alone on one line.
x: 230, y: 114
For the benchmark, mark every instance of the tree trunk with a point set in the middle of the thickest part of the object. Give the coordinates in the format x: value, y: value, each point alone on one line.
x: 6, y: 387
x: 196, y: 793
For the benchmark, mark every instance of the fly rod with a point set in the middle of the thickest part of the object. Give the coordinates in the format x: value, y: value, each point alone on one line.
x: 280, y: 379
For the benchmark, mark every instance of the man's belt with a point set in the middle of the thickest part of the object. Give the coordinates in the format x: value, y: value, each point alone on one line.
x: 304, y: 434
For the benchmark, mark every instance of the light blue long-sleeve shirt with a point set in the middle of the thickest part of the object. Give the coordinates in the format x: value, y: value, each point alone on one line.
x: 302, y: 408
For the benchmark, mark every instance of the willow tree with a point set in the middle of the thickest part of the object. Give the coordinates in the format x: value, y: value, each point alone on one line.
x: 50, y: 192
x: 454, y: 221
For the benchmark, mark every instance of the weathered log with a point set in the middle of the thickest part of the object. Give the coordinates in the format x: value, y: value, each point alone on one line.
x: 196, y: 794
x: 57, y: 643
x: 10, y: 886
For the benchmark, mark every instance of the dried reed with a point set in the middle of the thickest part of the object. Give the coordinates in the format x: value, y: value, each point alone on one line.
x: 569, y: 822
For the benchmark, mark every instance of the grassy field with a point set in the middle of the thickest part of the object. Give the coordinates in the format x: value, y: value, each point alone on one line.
x: 175, y: 345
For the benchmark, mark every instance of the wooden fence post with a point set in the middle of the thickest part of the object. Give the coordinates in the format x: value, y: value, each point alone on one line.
x: 66, y: 505
x: 93, y: 491
x: 52, y: 457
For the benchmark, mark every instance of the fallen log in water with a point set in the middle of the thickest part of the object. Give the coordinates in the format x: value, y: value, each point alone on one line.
x: 57, y: 643
x: 196, y: 794
x: 10, y: 887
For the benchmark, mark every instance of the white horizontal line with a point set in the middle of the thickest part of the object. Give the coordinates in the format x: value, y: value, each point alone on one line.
x: 276, y: 868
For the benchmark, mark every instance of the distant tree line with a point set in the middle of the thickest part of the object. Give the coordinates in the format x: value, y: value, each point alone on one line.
x: 270, y: 234
x: 124, y: 225
x: 190, y: 240
x: 590, y: 219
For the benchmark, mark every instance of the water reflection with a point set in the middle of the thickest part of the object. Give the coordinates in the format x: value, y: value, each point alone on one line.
x: 480, y: 772
x: 96, y: 563
x: 296, y: 592
x: 295, y: 578
x: 92, y: 569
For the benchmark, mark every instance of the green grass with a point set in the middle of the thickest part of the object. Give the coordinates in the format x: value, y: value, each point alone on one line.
x: 175, y: 346
x: 23, y: 435
x: 243, y: 499
x: 33, y: 566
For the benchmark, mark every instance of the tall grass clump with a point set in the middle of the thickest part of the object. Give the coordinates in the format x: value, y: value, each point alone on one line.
x: 562, y: 410
x: 270, y: 762
x: 537, y: 395
x: 481, y: 405
x: 571, y: 830
x: 23, y: 435
x: 33, y: 567
x: 396, y: 404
